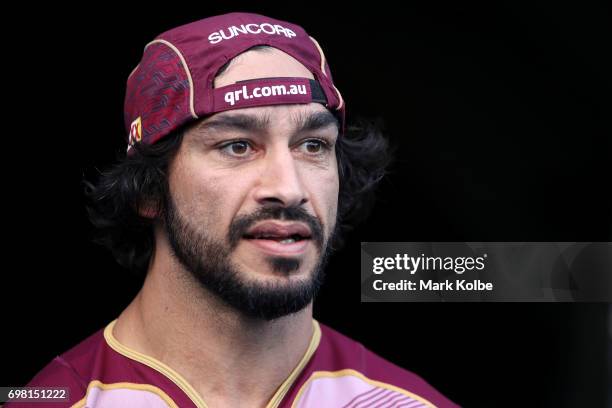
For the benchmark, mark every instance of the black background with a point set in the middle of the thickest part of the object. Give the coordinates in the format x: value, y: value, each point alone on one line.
x: 501, y: 115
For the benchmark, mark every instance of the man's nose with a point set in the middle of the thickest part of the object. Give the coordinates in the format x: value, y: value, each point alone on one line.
x: 280, y: 180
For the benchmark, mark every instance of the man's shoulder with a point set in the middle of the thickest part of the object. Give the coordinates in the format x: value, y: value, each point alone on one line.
x: 341, y: 356
x: 70, y: 370
x: 72, y: 364
x: 101, y: 372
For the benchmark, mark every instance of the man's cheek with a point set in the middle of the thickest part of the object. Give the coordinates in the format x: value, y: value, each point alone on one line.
x: 332, y: 211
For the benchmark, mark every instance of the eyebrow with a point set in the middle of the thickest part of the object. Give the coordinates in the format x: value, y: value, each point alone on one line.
x: 256, y: 123
x: 315, y: 121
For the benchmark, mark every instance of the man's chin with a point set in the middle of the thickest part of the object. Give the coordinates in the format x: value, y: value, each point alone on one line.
x: 272, y: 298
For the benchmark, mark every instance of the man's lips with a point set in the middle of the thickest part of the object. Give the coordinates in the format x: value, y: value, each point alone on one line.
x: 279, y: 239
x: 278, y: 231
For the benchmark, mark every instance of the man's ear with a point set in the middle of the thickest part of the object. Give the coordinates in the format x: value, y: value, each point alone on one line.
x: 148, y: 211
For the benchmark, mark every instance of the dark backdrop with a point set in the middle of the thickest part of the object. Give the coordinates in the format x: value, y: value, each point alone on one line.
x: 502, y: 118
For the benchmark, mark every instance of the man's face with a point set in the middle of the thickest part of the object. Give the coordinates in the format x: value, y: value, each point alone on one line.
x: 254, y: 194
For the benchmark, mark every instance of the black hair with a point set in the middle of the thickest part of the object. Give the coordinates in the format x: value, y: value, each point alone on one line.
x: 139, y: 181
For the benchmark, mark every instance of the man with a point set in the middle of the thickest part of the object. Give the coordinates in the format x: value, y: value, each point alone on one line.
x: 238, y: 171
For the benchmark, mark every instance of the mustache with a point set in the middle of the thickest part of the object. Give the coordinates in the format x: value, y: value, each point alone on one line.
x: 241, y: 224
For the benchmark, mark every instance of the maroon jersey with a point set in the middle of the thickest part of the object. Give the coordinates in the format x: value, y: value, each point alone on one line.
x: 334, y: 372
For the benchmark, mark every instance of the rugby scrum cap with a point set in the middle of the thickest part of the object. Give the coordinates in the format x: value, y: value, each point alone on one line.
x: 173, y: 84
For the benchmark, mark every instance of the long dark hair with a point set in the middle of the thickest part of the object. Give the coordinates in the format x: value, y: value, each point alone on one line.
x: 139, y: 181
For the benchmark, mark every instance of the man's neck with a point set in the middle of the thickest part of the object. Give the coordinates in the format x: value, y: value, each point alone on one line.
x: 194, y: 333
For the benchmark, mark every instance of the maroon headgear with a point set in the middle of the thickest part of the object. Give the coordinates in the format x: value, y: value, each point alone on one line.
x: 174, y: 82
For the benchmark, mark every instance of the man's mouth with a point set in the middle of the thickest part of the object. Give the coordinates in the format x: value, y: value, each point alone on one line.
x: 283, y: 239
x: 280, y: 239
x: 283, y: 233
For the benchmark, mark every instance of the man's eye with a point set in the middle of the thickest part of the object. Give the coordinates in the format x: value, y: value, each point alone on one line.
x: 238, y: 148
x: 315, y: 146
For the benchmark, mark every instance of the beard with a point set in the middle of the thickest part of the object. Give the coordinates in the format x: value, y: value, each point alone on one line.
x: 209, y: 262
